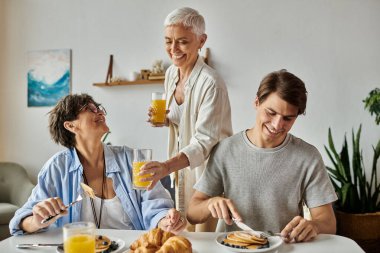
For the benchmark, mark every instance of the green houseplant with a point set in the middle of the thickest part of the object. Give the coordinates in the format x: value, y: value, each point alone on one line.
x: 358, y: 206
x: 357, y: 192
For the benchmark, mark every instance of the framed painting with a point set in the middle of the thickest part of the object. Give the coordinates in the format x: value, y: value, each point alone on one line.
x: 49, y: 76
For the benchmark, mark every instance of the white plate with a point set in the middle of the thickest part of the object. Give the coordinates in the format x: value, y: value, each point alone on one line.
x: 274, y: 243
x: 120, y: 242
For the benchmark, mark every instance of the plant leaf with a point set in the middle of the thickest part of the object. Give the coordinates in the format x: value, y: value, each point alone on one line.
x: 345, y: 191
x: 345, y: 160
x: 338, y: 166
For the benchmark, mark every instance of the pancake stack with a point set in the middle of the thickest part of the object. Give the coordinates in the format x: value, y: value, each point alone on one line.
x: 245, y: 240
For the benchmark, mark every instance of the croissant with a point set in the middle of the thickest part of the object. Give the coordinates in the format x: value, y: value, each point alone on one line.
x: 176, y: 244
x: 158, y: 240
x: 145, y: 250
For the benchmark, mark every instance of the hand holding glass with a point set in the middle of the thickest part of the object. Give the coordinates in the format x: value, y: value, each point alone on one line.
x: 79, y: 237
x: 140, y: 157
x: 158, y: 108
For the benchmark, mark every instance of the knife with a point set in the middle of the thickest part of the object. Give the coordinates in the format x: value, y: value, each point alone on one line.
x: 37, y: 245
x: 244, y: 227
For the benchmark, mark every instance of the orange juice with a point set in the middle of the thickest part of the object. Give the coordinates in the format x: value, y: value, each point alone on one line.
x: 136, y: 178
x: 159, y: 111
x: 80, y: 243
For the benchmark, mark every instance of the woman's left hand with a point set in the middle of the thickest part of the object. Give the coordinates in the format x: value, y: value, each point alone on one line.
x: 173, y: 222
x: 156, y: 170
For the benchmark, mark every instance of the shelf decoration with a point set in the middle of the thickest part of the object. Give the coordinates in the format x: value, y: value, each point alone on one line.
x: 142, y: 78
x: 158, y: 72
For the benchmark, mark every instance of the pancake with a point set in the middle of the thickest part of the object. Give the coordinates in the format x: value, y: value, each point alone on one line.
x: 102, y: 243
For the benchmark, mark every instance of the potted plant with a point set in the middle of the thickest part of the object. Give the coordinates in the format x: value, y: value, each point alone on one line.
x: 372, y: 103
x: 358, y: 206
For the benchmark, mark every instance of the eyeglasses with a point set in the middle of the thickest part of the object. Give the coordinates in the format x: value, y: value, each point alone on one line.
x: 91, y: 107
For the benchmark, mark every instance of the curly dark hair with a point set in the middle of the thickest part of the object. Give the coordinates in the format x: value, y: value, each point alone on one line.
x: 288, y: 86
x: 67, y: 109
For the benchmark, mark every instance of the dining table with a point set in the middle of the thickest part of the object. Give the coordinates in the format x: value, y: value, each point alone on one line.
x: 202, y: 242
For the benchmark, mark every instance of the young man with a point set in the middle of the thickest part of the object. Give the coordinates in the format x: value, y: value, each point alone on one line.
x: 263, y: 175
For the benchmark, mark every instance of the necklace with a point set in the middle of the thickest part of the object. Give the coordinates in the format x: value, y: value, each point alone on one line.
x: 101, y: 201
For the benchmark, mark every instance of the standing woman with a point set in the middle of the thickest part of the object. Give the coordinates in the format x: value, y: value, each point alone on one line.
x: 199, y: 109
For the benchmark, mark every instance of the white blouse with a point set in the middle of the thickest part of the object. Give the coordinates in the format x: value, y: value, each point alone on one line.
x: 175, y: 112
x: 113, y: 215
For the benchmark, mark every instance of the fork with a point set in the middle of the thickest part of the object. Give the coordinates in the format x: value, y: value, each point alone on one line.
x: 269, y: 234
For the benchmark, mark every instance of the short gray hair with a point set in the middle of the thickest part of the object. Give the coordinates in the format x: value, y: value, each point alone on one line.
x: 187, y: 17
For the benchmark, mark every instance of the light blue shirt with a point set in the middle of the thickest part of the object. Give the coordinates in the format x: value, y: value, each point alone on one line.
x: 61, y: 177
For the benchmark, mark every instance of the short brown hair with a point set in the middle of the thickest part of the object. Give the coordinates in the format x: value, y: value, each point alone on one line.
x: 67, y: 109
x: 288, y: 86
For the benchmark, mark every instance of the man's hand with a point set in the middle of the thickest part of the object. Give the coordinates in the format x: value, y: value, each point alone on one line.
x: 299, y: 230
x: 173, y: 222
x: 223, y: 208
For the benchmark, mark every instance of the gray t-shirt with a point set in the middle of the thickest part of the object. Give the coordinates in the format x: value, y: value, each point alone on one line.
x: 268, y: 186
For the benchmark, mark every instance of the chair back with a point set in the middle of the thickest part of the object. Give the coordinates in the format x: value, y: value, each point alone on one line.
x: 15, y: 185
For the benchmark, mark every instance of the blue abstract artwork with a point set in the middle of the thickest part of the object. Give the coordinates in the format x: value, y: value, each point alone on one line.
x: 49, y: 76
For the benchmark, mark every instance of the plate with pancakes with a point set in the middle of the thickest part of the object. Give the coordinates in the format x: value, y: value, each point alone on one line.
x: 243, y: 241
x: 104, y: 244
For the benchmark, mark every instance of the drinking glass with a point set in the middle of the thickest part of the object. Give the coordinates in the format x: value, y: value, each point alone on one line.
x: 159, y: 107
x: 140, y: 157
x: 79, y: 237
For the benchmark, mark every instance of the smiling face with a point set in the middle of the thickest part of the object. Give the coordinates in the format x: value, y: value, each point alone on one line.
x: 182, y: 46
x: 275, y: 117
x: 90, y: 123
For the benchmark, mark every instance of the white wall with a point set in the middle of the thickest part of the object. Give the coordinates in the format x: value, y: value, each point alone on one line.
x: 2, y: 74
x: 332, y: 45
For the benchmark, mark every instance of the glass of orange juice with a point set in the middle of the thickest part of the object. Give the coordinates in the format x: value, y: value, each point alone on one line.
x: 159, y: 107
x: 79, y: 237
x: 140, y: 157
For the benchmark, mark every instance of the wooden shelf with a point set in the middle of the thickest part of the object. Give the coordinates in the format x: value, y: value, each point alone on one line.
x: 129, y: 83
x: 108, y: 82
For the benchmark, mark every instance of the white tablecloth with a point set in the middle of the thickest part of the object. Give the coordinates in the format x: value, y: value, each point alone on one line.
x: 202, y: 242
